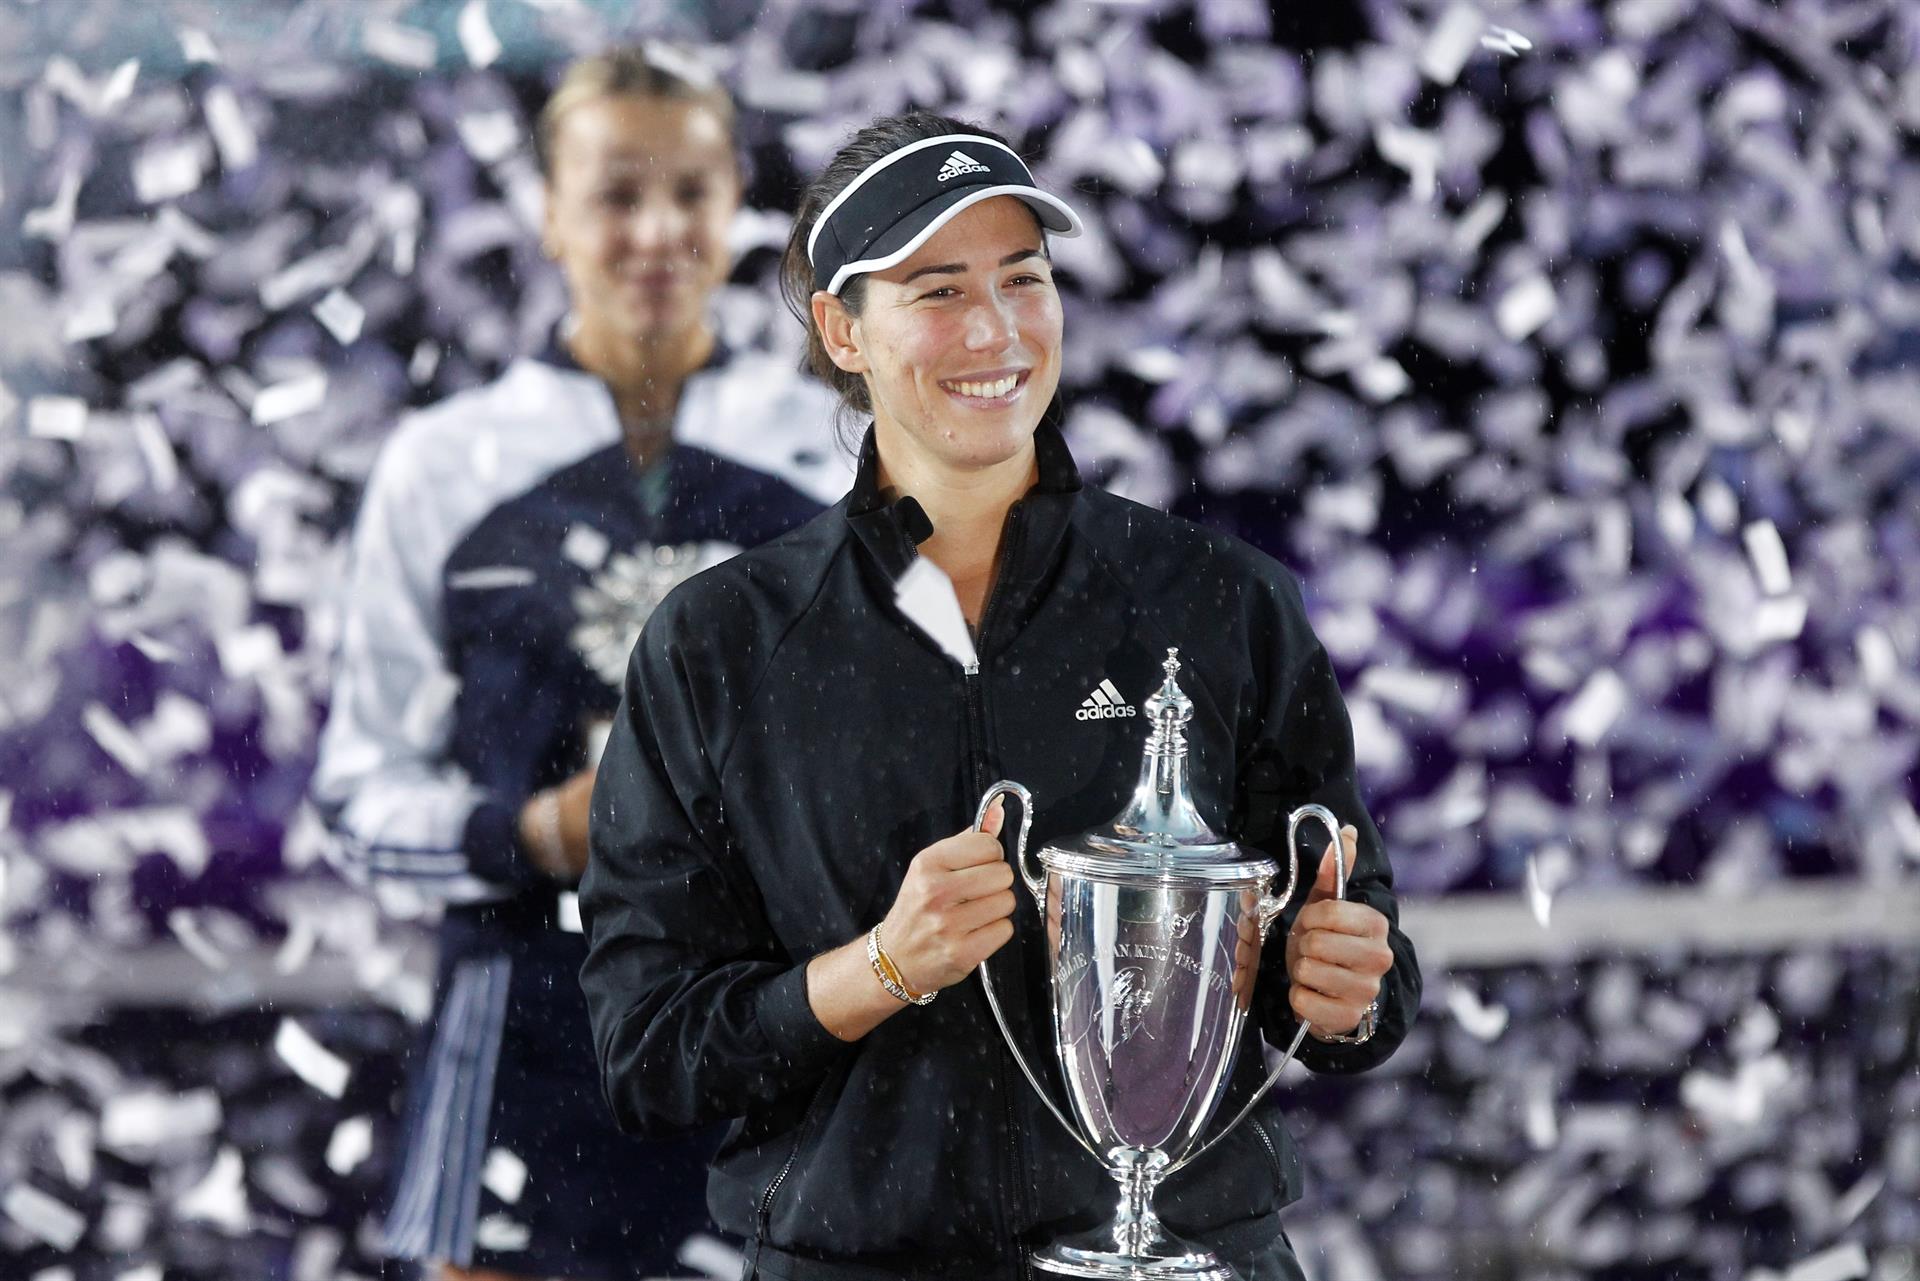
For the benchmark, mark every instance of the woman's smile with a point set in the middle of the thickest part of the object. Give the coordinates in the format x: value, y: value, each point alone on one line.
x: 993, y: 390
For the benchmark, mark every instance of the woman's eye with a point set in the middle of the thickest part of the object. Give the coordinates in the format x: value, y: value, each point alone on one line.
x: 691, y: 193
x: 944, y: 291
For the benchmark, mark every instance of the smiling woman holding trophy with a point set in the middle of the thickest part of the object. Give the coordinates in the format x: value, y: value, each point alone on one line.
x: 797, y: 861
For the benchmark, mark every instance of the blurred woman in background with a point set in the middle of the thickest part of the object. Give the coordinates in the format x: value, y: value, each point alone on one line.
x: 510, y: 542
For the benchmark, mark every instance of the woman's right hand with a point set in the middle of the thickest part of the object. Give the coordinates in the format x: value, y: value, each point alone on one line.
x: 553, y: 827
x: 954, y: 909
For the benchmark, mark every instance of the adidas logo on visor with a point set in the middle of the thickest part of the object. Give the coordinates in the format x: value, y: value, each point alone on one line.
x: 958, y: 163
x: 1104, y: 704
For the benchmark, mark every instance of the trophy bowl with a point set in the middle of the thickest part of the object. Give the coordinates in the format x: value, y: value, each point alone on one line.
x: 1154, y: 929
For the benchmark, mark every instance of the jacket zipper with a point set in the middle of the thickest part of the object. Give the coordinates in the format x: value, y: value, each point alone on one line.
x: 977, y: 764
x: 1273, y: 1157
x: 800, y: 1141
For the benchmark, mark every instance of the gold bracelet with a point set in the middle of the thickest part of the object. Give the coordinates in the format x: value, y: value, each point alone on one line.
x: 889, y: 974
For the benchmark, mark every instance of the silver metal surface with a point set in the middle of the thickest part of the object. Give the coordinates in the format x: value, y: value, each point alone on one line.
x: 1155, y: 925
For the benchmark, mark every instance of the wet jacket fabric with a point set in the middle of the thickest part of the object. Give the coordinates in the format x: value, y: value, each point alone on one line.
x: 787, y: 741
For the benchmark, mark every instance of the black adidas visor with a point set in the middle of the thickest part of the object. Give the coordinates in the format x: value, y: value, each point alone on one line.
x: 896, y: 205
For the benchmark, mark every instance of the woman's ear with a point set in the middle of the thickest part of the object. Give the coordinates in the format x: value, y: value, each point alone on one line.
x: 839, y: 332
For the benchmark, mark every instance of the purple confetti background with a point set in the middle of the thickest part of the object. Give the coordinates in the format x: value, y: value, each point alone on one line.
x: 1570, y: 352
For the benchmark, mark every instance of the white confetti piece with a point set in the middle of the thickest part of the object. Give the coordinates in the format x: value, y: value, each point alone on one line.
x: 425, y: 359
x: 567, y: 911
x: 1841, y: 1263
x: 141, y: 1272
x: 491, y: 136
x: 1547, y: 871
x: 1505, y: 40
x: 169, y: 170
x: 1781, y: 618
x: 711, y: 1257
x: 73, y: 1148
x: 57, y: 417
x: 247, y: 653
x: 116, y: 740
x: 1483, y: 1022
x: 133, y: 1123
x: 504, y: 1175
x: 403, y: 46
x: 1426, y: 694
x: 342, y: 316
x: 53, y: 1221
x: 487, y: 578
x: 585, y: 546
x: 477, y: 39
x: 350, y: 1144
x: 220, y: 1197
x: 197, y: 46
x: 95, y: 100
x: 316, y: 1257
x: 280, y: 1178
x: 1525, y: 307
x: 1769, y: 556
x: 309, y: 1060
x: 1539, y: 1118
x: 498, y: 1232
x: 296, y: 949
x: 1451, y: 43
x: 54, y: 220
x: 154, y: 648
x: 1854, y: 1201
x: 163, y: 467
x: 186, y: 929
x: 1595, y: 709
x: 233, y: 136
x: 289, y: 399
x: 1154, y: 364
x: 1739, y: 1100
x: 94, y: 317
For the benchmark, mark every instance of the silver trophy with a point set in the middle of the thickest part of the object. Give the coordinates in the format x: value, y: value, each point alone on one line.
x: 1154, y: 929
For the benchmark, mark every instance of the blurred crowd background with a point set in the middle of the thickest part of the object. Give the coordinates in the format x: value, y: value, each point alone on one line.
x: 1570, y: 353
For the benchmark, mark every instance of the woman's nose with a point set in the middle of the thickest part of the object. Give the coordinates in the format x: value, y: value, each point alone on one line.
x: 991, y: 323
x: 656, y: 223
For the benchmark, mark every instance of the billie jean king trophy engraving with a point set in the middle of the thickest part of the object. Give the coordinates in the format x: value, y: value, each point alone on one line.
x: 1154, y: 928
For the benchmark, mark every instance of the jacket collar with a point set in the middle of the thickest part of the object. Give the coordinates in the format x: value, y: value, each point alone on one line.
x: 557, y: 353
x: 891, y: 529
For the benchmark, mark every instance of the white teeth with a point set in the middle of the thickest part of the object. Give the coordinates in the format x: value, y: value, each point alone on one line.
x: 988, y: 391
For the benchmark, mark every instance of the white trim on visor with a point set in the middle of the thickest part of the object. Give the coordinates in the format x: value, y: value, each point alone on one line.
x: 820, y: 223
x: 1031, y: 195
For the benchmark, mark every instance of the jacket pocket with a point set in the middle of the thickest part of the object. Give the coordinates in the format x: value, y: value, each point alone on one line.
x: 809, y: 1120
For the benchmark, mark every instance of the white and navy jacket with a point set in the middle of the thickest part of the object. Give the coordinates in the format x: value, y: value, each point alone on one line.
x: 461, y: 686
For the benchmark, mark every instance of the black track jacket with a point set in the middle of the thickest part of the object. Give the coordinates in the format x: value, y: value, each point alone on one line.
x: 787, y: 742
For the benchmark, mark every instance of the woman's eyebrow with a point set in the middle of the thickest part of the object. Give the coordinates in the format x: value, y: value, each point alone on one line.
x: 955, y: 268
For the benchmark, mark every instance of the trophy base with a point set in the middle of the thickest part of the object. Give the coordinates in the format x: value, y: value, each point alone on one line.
x: 1167, y: 1258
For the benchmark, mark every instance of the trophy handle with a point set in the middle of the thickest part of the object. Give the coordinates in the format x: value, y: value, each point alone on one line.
x: 1270, y: 905
x: 1037, y: 885
x: 1036, y: 881
x: 1270, y: 908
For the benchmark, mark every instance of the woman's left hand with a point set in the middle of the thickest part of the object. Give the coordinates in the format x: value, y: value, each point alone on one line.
x: 1337, y: 951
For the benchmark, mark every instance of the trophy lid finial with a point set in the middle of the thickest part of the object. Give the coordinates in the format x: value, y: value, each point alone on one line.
x: 1168, y: 711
